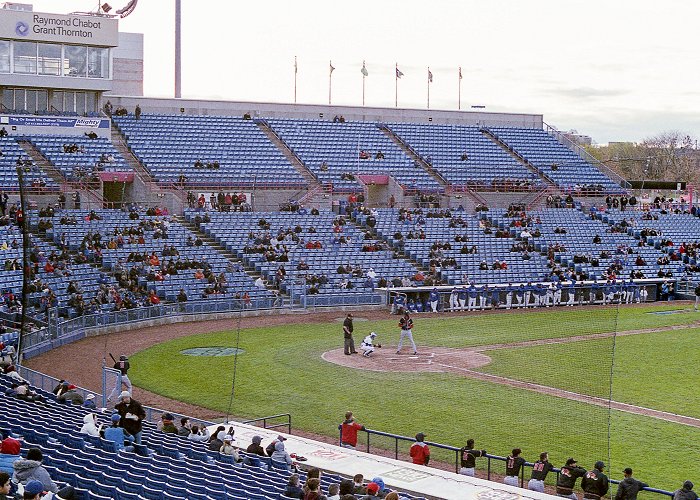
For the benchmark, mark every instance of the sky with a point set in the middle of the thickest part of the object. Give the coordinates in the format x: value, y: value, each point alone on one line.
x: 618, y: 70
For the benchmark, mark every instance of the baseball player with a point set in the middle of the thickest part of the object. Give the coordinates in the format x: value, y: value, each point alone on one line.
x: 540, y: 469
x: 406, y: 325
x: 567, y: 479
x: 434, y: 300
x: 509, y: 296
x: 469, y: 456
x: 629, y: 487
x: 595, y: 484
x: 123, y: 366
x: 513, y: 464
x: 697, y: 297
x: 367, y: 346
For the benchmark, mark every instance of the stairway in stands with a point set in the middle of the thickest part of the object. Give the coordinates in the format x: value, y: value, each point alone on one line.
x: 89, y: 196
x: 212, y: 243
x: 296, y: 162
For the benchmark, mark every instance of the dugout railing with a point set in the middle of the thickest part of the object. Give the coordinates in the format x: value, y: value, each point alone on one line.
x: 397, y: 438
x: 643, y: 290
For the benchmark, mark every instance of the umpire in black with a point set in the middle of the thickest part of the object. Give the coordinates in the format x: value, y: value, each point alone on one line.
x: 349, y: 342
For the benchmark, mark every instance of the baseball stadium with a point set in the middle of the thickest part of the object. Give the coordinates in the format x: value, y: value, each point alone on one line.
x: 226, y: 298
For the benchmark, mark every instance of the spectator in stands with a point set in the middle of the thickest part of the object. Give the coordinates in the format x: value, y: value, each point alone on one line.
x: 132, y: 415
x: 199, y: 435
x: 293, y: 489
x: 31, y: 469
x: 333, y: 492
x: 166, y: 423
x: 137, y: 112
x: 90, y: 426
x: 5, y: 485
x: 9, y: 454
x: 185, y: 427
x: 419, y: 452
x: 313, y: 490
x: 72, y: 395
x: 686, y: 492
x: 91, y: 135
x: 254, y: 447
x: 118, y: 435
x: 372, y: 490
x: 281, y: 456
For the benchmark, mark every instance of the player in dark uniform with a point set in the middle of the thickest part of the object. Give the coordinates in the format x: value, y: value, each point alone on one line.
x: 595, y: 484
x: 540, y: 469
x: 349, y: 342
x: 514, y: 463
x: 629, y: 487
x: 567, y: 479
x: 469, y: 456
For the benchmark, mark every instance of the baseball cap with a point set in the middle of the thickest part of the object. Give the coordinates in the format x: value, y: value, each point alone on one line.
x: 125, y: 394
x: 281, y: 438
x: 372, y: 488
x: 167, y: 416
x: 600, y: 465
x: 228, y: 438
x: 90, y: 396
x: 257, y: 439
x: 571, y: 461
x: 34, y: 487
x: 627, y: 470
x: 116, y: 417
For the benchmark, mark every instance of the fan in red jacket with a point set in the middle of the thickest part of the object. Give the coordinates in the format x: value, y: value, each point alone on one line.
x: 348, y: 431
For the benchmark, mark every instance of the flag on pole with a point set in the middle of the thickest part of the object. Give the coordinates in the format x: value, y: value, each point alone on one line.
x: 430, y: 76
x: 399, y: 73
x: 364, y: 69
x: 295, y: 65
x: 460, y: 72
x: 332, y: 68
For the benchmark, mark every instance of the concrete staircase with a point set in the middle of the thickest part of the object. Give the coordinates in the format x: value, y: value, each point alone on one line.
x: 212, y: 243
x: 153, y: 192
x: 523, y: 161
x: 296, y: 162
x: 474, y: 197
x: 89, y: 196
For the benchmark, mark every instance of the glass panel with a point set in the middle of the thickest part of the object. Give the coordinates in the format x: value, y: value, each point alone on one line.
x: 8, y: 98
x: 92, y: 102
x: 80, y: 103
x: 98, y: 59
x: 19, y: 100
x: 4, y: 56
x: 70, y: 102
x: 42, y: 98
x: 57, y: 101
x: 31, y: 101
x: 75, y: 63
x: 49, y: 59
x: 25, y: 57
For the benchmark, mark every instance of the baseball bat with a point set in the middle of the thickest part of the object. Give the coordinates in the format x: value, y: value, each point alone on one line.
x: 110, y: 355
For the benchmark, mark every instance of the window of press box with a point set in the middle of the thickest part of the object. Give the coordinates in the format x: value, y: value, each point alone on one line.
x: 98, y: 62
x: 49, y: 59
x: 75, y: 61
x: 25, y: 57
x: 4, y: 56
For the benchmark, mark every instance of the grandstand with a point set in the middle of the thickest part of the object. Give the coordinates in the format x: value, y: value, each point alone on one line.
x: 337, y: 208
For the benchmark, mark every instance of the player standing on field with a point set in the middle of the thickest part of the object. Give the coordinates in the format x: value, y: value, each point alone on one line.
x: 469, y: 456
x: 595, y: 484
x: 406, y: 325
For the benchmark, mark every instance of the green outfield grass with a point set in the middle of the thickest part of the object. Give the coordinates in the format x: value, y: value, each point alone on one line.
x: 652, y: 369
x: 282, y: 371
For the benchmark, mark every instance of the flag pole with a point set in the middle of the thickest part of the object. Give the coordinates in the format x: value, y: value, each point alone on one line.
x: 330, y: 78
x: 295, y: 79
x: 459, y: 90
x: 396, y: 86
x: 428, y: 87
x: 363, y: 83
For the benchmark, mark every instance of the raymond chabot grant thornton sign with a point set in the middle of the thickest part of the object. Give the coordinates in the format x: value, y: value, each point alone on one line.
x: 57, y: 28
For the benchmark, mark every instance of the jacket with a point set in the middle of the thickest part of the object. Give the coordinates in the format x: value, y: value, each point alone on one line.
x: 685, y: 493
x: 594, y: 484
x: 89, y: 426
x: 26, y: 470
x: 628, y: 489
x: 6, y: 462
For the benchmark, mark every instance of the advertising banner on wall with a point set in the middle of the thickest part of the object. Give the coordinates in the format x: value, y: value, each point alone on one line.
x: 54, y: 121
x: 57, y: 28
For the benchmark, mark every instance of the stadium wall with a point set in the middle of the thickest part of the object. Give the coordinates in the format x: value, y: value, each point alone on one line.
x: 325, y: 112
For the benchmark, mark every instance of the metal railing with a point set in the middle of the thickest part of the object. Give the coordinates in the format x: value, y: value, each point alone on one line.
x: 264, y: 420
x: 397, y: 438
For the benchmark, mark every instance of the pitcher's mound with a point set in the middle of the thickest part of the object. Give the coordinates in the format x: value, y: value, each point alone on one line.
x: 428, y: 359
